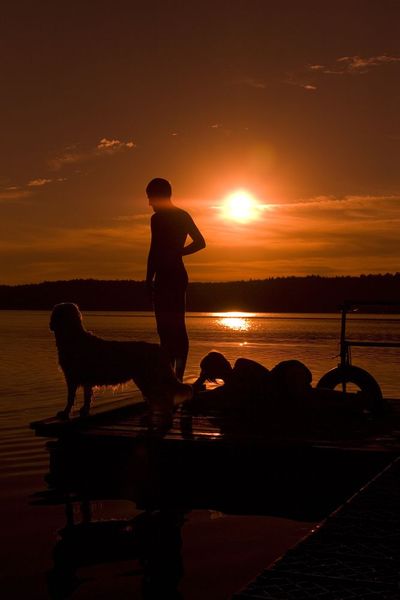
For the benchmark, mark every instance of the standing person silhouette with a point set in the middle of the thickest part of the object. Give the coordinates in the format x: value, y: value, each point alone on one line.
x: 167, y: 278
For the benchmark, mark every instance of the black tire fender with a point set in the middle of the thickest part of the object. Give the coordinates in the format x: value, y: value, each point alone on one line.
x: 357, y: 376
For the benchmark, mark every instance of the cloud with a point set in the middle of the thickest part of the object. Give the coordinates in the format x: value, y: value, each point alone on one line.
x: 354, y: 65
x: 70, y: 156
x: 252, y: 82
x: 131, y: 218
x: 321, y: 235
x: 300, y: 80
x: 84, y: 239
x: 324, y: 235
x: 13, y: 193
x: 362, y: 65
x: 358, y: 228
x: 41, y: 251
x: 38, y: 182
x: 112, y: 146
x: 73, y: 154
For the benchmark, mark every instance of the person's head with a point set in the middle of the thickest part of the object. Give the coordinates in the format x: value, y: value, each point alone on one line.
x: 159, y: 193
x: 215, y: 366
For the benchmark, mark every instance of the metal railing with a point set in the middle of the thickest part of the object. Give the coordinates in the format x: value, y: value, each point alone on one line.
x: 346, y: 344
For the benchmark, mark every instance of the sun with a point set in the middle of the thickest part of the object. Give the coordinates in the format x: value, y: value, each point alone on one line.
x: 240, y: 206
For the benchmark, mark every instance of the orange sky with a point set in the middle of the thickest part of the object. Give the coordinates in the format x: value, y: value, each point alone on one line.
x: 296, y: 102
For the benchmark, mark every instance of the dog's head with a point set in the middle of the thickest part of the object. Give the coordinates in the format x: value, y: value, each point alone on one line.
x: 66, y: 317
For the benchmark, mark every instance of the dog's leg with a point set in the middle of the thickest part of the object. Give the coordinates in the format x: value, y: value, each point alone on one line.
x: 87, y: 398
x: 64, y: 414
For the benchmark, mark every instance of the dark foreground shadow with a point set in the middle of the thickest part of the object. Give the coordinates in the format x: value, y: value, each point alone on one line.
x: 151, y: 540
x: 167, y: 478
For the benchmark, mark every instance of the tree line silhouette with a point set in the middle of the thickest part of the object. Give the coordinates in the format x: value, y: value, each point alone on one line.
x: 279, y: 294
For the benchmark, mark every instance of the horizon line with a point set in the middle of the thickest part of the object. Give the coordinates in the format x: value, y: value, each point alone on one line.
x: 250, y: 280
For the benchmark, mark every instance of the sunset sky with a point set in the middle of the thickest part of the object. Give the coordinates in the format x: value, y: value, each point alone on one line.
x: 295, y: 103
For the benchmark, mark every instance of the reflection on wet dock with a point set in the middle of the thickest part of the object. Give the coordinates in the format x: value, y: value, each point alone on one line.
x: 297, y: 471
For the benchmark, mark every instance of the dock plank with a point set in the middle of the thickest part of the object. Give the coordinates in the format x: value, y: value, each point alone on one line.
x: 354, y: 554
x: 130, y: 420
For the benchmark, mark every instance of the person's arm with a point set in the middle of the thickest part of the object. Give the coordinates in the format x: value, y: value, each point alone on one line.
x: 198, y: 385
x: 209, y: 401
x: 198, y: 242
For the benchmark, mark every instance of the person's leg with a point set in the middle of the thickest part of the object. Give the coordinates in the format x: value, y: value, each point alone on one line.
x: 169, y: 307
x: 182, y: 346
x: 162, y: 310
x: 174, y: 340
x: 181, y: 336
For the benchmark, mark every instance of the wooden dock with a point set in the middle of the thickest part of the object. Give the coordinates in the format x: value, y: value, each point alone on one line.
x: 127, y: 419
x: 303, y: 471
x: 353, y: 554
x: 283, y: 469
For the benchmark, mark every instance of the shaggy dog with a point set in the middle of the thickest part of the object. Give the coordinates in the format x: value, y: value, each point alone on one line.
x: 90, y: 361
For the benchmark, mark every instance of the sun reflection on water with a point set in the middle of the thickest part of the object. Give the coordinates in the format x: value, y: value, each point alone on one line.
x: 236, y: 321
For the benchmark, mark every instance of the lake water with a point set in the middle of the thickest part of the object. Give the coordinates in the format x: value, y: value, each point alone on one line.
x: 32, y: 387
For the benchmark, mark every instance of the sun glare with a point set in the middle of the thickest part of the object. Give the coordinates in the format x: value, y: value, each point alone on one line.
x: 235, y: 323
x: 240, y: 206
x: 235, y: 320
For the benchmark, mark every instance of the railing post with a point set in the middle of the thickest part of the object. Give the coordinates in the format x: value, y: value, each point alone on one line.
x: 343, y: 343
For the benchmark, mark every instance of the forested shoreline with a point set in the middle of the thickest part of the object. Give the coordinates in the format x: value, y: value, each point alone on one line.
x: 279, y: 294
